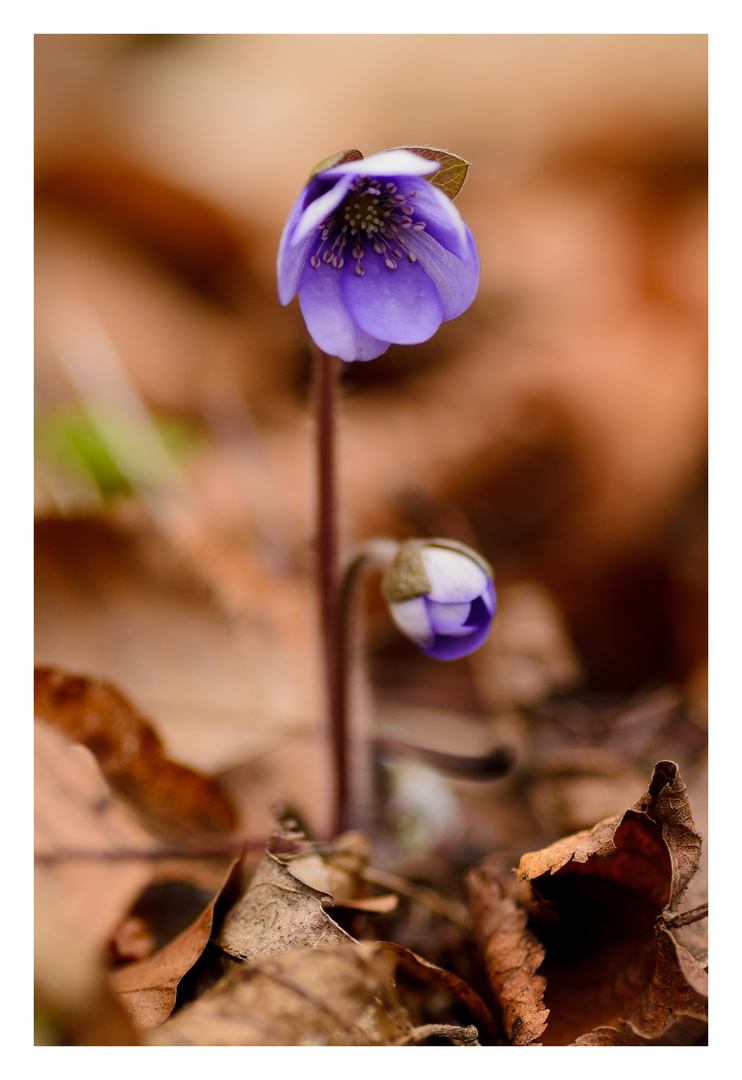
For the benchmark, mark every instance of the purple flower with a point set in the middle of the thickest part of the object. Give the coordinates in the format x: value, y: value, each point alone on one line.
x: 441, y: 595
x: 377, y: 253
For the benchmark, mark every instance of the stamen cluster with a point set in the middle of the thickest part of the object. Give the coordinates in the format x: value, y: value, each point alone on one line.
x: 373, y: 213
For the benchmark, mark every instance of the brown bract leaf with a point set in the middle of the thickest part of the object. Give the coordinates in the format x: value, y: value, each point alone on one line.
x: 147, y: 989
x: 452, y: 172
x: 171, y: 798
x: 595, y: 913
x: 341, y: 996
x: 278, y: 913
x: 335, y: 159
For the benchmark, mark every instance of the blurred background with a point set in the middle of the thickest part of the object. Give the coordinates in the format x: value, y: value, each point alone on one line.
x: 559, y: 426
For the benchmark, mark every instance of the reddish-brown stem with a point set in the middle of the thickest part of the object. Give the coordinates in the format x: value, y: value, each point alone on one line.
x: 326, y: 381
x: 337, y: 593
x: 357, y: 742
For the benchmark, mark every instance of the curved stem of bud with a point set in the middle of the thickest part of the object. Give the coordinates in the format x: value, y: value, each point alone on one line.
x: 377, y: 553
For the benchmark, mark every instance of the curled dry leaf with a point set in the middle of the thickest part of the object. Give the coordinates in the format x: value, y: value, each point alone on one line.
x: 512, y: 954
x: 594, y: 925
x: 335, y: 868
x: 278, y: 913
x: 282, y: 916
x: 147, y: 989
x: 339, y: 869
x: 684, y: 1032
x: 336, y: 996
x: 173, y: 800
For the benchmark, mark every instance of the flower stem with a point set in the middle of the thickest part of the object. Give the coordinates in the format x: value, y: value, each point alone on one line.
x: 326, y: 381
x: 337, y: 592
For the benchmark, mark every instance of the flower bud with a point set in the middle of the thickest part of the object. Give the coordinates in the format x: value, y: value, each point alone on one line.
x: 441, y: 595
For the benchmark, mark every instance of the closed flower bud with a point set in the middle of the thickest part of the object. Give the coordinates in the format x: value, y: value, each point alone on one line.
x: 441, y: 595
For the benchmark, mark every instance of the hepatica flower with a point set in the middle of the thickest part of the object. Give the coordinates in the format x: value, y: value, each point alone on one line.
x: 441, y: 595
x: 377, y: 251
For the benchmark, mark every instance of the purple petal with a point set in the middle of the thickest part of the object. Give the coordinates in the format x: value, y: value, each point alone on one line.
x: 292, y: 251
x: 329, y: 321
x: 489, y: 599
x: 291, y: 261
x: 399, y: 305
x: 320, y: 208
x: 456, y: 280
x: 442, y: 219
x: 479, y: 614
x: 452, y: 648
x: 454, y: 577
x: 411, y: 617
x: 386, y: 163
x: 449, y: 618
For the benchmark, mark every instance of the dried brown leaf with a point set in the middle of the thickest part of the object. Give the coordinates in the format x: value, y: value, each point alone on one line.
x: 148, y: 988
x: 78, y: 823
x: 283, y: 914
x: 375, y: 905
x: 655, y: 840
x: 72, y: 1005
x: 597, y: 908
x: 278, y: 913
x: 340, y: 996
x: 336, y: 869
x: 438, y: 979
x: 80, y: 895
x: 137, y: 606
x: 171, y: 798
x: 132, y: 939
x: 686, y: 1031
x: 512, y: 954
x: 339, y: 870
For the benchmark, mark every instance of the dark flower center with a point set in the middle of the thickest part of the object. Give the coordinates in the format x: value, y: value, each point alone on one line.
x: 373, y: 213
